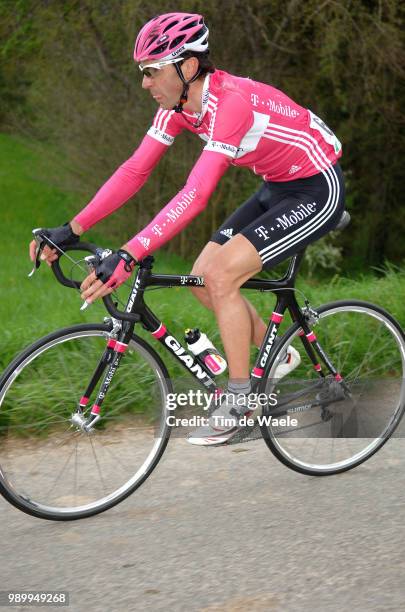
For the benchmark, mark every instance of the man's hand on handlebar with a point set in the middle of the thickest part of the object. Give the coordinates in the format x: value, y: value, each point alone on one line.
x: 108, y: 274
x: 61, y: 236
x: 109, y: 269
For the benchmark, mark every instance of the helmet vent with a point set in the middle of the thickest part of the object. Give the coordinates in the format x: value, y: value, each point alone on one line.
x: 190, y: 24
x: 176, y: 41
x: 198, y: 35
x: 170, y: 25
x: 159, y: 49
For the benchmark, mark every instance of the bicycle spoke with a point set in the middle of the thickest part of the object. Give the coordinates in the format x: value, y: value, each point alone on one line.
x: 362, y: 411
x: 108, y: 450
x: 368, y: 358
x: 381, y: 368
x: 70, y: 472
x: 58, y: 478
x: 97, y: 464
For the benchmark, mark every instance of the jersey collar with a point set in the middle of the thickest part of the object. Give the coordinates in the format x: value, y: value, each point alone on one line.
x: 204, y: 100
x: 205, y: 95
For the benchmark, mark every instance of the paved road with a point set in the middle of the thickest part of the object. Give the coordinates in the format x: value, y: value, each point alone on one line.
x: 226, y: 529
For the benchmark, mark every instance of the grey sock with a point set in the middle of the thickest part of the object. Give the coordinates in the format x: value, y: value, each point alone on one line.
x: 239, y: 387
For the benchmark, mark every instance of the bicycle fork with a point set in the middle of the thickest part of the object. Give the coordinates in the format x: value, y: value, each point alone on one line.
x: 108, y: 365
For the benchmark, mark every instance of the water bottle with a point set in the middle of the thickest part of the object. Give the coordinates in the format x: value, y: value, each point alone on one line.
x: 205, y: 351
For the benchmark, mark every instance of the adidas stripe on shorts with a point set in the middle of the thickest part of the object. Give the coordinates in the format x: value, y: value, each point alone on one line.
x: 284, y: 217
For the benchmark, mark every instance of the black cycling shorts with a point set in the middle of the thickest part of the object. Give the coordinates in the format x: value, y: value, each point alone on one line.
x: 282, y: 218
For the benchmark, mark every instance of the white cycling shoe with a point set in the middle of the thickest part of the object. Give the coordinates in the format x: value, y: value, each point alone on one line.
x: 224, y: 422
x: 222, y: 425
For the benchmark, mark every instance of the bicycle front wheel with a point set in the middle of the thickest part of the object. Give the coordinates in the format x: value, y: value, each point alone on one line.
x: 327, y: 422
x: 50, y: 467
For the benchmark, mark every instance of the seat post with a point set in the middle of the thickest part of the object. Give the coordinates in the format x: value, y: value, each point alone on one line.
x: 294, y: 265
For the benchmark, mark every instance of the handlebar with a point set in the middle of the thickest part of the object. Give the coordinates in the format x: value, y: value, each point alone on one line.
x: 57, y: 270
x: 67, y: 282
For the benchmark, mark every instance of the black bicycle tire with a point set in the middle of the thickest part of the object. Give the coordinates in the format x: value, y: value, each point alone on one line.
x: 266, y: 434
x: 28, y: 509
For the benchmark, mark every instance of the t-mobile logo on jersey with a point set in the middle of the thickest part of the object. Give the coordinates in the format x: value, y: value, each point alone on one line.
x: 157, y: 230
x: 181, y: 205
x: 262, y: 232
x: 275, y: 107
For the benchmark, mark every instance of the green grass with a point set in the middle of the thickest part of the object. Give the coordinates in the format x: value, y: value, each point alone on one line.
x: 30, y: 308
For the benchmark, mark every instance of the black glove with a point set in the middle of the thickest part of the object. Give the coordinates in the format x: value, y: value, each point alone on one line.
x: 114, y: 268
x: 61, y: 236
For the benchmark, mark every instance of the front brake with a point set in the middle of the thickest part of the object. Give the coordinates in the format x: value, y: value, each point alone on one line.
x: 40, y: 243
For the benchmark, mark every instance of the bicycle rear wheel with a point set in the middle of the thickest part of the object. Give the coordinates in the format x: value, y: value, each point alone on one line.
x: 49, y: 467
x: 324, y: 425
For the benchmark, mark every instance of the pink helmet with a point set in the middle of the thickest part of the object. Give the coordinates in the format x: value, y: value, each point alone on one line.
x: 165, y: 37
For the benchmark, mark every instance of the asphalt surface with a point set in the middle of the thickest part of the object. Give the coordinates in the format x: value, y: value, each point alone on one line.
x: 225, y: 529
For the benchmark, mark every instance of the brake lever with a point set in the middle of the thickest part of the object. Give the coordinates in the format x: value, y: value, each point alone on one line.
x: 40, y: 245
x: 91, y: 261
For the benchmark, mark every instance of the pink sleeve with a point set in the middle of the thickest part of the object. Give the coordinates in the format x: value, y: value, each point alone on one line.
x: 187, y: 204
x: 123, y: 184
x: 133, y: 173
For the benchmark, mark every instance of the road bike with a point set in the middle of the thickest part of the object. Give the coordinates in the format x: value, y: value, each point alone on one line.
x: 84, y: 417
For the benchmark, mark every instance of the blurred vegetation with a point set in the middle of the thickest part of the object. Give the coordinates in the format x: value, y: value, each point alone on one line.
x: 33, y: 307
x: 67, y: 79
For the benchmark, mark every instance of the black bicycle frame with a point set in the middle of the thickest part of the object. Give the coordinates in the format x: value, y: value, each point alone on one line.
x: 137, y: 311
x: 286, y: 300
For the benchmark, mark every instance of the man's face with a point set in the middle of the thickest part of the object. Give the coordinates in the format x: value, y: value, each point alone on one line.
x: 164, y: 85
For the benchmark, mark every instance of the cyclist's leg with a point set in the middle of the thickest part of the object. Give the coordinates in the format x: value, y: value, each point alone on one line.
x: 305, y: 210
x: 301, y: 217
x: 235, y: 262
x: 198, y: 269
x: 258, y: 326
x: 245, y: 214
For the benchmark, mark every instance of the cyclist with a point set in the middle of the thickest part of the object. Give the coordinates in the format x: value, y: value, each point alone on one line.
x: 243, y: 123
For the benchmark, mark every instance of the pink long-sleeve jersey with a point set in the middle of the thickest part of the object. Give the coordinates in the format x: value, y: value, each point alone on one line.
x: 244, y: 123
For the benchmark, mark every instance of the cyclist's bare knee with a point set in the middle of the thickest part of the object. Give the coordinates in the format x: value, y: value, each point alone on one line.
x: 199, y: 268
x: 208, y: 252
x: 227, y: 270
